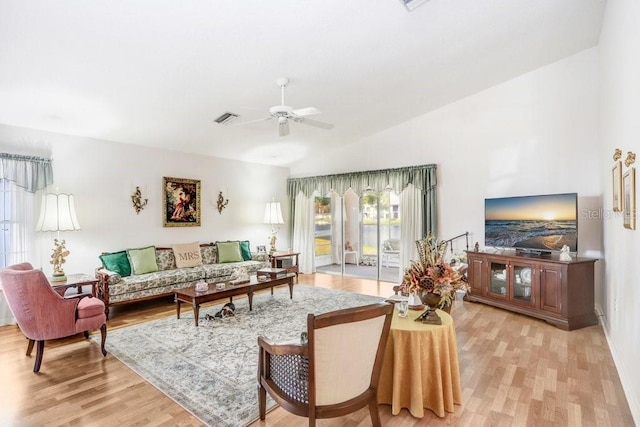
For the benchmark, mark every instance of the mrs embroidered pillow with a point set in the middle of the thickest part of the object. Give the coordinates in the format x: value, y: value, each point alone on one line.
x: 187, y: 255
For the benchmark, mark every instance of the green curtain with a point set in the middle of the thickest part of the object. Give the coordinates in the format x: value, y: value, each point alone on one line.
x: 422, y: 177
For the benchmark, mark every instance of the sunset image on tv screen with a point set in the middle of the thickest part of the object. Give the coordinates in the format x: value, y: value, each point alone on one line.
x: 534, y: 222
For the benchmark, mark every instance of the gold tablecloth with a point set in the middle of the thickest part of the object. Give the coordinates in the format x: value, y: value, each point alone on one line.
x: 420, y: 367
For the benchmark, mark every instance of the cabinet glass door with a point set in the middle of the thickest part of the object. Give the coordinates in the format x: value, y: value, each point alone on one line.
x: 522, y: 283
x: 498, y: 283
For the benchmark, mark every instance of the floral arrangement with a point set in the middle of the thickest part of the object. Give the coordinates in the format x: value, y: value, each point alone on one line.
x: 431, y: 274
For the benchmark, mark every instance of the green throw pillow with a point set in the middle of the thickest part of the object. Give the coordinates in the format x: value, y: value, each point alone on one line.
x: 142, y: 260
x: 245, y: 250
x: 228, y: 252
x: 117, y: 262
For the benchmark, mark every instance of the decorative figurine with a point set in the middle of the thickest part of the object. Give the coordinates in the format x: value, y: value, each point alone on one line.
x: 476, y: 247
x: 272, y: 244
x: 564, y: 254
x: 57, y: 259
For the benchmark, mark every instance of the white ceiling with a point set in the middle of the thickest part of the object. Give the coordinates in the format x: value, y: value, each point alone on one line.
x: 157, y: 72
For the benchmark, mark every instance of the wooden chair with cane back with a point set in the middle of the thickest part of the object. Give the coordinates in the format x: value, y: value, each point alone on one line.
x: 335, y: 372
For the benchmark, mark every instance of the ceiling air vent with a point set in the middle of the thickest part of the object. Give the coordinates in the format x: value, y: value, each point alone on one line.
x: 412, y: 4
x: 226, y: 118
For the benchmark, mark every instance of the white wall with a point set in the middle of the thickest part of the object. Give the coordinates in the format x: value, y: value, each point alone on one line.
x: 620, y: 128
x: 548, y: 131
x: 535, y: 134
x: 103, y: 175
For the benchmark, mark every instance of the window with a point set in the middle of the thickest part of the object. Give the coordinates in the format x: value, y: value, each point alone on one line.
x: 16, y: 219
x: 5, y: 220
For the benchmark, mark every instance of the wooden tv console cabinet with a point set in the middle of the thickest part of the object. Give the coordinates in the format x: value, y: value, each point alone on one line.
x: 559, y: 292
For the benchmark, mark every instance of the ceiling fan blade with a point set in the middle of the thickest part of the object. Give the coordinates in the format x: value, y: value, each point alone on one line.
x: 316, y: 123
x: 307, y: 111
x: 251, y: 121
x: 283, y: 127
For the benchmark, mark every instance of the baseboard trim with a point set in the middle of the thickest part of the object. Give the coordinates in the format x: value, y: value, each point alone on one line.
x: 634, y: 405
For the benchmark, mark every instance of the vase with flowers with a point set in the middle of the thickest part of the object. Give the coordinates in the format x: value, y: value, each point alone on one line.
x: 431, y: 276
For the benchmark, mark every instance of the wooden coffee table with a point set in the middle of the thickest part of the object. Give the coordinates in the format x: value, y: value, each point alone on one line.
x: 190, y: 296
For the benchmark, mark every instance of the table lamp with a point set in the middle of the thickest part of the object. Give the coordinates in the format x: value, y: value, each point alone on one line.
x: 58, y: 213
x: 273, y: 217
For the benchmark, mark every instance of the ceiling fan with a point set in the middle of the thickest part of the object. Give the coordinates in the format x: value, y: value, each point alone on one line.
x: 284, y: 114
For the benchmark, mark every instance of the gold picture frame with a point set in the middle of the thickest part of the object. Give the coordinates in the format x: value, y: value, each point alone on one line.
x: 629, y: 196
x: 616, y: 177
x: 180, y: 202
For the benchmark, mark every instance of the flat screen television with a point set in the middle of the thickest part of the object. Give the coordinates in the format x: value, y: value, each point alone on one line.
x: 540, y: 223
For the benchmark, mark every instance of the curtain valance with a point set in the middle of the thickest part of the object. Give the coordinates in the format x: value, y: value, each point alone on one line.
x: 422, y: 177
x: 30, y: 173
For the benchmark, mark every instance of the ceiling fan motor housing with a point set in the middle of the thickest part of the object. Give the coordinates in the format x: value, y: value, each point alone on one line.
x: 280, y: 110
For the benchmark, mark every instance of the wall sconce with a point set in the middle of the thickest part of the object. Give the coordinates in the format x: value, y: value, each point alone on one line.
x: 631, y: 159
x: 222, y: 202
x: 617, y: 154
x: 138, y: 202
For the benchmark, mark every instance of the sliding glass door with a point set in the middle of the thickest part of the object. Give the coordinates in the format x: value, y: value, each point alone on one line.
x: 322, y: 231
x: 359, y: 235
x: 381, y: 232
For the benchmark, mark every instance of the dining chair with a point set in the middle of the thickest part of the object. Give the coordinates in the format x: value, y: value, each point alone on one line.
x: 42, y: 314
x: 335, y: 371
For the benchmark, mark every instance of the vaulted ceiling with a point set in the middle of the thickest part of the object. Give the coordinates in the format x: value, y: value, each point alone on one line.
x: 158, y: 72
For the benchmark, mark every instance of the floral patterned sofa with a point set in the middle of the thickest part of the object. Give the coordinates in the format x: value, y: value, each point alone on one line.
x: 115, y: 288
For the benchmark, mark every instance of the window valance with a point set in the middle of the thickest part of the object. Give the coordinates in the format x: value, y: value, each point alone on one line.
x: 422, y: 177
x: 30, y: 173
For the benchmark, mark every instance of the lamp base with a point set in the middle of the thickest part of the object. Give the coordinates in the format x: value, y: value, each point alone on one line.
x: 58, y: 277
x: 272, y: 249
x: 58, y: 256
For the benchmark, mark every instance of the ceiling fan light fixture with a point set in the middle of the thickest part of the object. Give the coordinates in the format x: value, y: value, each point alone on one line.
x: 283, y: 126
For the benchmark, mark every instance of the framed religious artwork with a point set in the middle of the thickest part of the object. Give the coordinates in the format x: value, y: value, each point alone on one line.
x: 629, y: 198
x: 180, y: 202
x: 616, y: 176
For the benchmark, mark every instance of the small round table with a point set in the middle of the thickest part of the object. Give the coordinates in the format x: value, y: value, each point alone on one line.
x: 420, y: 367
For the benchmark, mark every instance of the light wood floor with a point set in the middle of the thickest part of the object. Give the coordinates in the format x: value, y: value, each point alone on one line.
x: 515, y: 371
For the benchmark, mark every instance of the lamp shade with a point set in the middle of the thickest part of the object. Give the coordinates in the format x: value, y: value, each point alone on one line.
x: 273, y: 213
x: 57, y: 213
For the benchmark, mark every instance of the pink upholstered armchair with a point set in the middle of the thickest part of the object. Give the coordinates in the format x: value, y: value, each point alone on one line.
x: 42, y: 314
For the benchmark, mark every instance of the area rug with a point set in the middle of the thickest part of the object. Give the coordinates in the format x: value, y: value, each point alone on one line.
x: 210, y: 370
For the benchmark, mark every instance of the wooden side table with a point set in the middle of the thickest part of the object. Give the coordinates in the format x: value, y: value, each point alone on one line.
x: 76, y: 286
x: 420, y: 366
x: 286, y: 260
